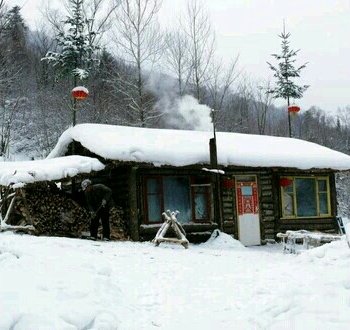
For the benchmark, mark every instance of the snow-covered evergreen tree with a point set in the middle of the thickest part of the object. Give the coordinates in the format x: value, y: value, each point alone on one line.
x: 286, y: 72
x: 76, y: 50
x: 15, y: 30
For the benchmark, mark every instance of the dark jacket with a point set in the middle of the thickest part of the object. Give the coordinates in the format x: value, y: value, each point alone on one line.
x: 95, y: 194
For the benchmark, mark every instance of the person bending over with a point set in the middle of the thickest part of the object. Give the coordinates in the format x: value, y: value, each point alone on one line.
x: 99, y: 201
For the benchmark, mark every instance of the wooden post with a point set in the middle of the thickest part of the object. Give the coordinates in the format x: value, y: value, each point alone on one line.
x: 216, y: 184
x: 133, y: 209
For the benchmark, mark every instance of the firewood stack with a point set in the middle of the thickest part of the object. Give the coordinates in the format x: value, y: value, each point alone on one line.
x: 54, y: 213
x: 118, y: 226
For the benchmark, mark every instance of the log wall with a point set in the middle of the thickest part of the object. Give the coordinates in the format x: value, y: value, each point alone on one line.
x: 229, y: 209
x: 125, y: 181
x: 268, y: 205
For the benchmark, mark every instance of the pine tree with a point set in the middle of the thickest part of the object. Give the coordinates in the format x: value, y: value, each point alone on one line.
x: 13, y: 52
x: 75, y: 42
x: 76, y: 55
x: 285, y: 74
x: 15, y: 29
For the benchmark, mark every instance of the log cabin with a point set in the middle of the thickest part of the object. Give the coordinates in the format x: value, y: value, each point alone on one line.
x: 260, y: 186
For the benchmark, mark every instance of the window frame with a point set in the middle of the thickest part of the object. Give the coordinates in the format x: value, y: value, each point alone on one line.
x: 192, y: 184
x: 317, y: 195
x: 207, y: 195
x: 146, y: 194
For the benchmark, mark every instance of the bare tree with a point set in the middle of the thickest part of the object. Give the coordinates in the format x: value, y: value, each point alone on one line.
x: 202, y: 39
x: 178, y: 59
x: 11, y: 117
x: 2, y: 13
x: 139, y: 40
x: 10, y: 78
x: 100, y: 13
x: 261, y: 101
x: 220, y: 81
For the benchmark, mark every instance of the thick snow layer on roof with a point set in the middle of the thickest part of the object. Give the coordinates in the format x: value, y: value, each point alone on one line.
x: 180, y: 148
x: 20, y: 173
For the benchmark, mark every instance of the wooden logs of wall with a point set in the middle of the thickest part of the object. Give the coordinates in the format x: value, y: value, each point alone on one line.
x: 267, y: 205
x: 229, y: 210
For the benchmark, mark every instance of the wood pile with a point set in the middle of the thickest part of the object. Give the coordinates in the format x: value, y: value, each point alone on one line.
x: 117, y: 223
x: 55, y: 213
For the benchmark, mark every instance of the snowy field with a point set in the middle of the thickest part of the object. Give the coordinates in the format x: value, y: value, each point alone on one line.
x: 61, y: 283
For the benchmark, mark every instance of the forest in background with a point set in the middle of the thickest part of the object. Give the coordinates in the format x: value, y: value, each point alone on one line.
x: 140, y: 76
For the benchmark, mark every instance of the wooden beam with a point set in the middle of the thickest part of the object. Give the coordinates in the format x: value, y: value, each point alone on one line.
x: 133, y: 209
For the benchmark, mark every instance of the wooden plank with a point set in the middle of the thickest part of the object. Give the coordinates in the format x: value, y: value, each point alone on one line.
x: 133, y: 211
x: 267, y: 206
x: 268, y: 218
x: 267, y: 212
x: 266, y: 187
x: 268, y: 225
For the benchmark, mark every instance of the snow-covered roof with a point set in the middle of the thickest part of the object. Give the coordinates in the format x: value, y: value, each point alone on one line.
x: 20, y: 173
x: 181, y: 148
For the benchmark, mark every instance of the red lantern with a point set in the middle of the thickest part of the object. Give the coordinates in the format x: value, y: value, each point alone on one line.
x: 293, y: 109
x: 285, y: 182
x: 80, y: 93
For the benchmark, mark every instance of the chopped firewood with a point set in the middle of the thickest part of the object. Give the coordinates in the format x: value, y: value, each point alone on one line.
x: 54, y: 213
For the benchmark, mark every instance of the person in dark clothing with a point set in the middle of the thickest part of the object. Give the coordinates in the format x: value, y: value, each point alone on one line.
x: 99, y: 201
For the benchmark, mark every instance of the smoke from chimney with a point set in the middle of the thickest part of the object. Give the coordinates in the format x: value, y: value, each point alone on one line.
x: 180, y: 112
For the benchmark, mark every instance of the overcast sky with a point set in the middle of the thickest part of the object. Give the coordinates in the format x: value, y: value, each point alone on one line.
x: 249, y: 28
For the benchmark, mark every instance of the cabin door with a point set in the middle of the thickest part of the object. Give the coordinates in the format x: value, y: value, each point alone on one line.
x: 248, y: 210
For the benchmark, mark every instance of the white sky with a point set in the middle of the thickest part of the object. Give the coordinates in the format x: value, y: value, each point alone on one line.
x: 320, y: 28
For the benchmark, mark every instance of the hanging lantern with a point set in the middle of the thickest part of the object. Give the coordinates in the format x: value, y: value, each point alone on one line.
x: 285, y: 182
x: 294, y: 109
x: 80, y: 93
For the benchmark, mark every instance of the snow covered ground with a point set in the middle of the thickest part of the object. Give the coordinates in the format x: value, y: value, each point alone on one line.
x: 61, y: 283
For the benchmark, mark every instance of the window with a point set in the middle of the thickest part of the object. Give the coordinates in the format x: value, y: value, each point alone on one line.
x: 189, y: 196
x: 303, y: 197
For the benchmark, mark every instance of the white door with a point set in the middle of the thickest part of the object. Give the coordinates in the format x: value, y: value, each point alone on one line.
x: 248, y: 210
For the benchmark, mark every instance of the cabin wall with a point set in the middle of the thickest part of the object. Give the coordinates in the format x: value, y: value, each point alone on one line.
x: 271, y: 221
x: 127, y: 186
x: 229, y: 209
x: 268, y: 204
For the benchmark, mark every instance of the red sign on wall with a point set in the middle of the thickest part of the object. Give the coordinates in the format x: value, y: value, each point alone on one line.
x: 247, y: 198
